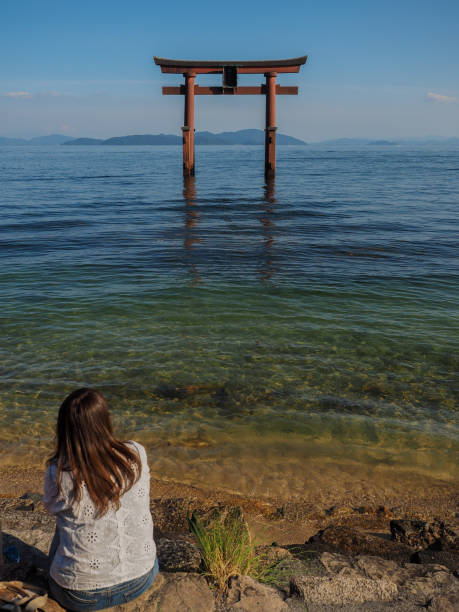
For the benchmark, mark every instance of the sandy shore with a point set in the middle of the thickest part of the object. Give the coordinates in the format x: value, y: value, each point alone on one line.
x: 362, y: 504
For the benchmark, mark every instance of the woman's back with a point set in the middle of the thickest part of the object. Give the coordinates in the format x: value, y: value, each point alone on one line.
x: 100, y: 551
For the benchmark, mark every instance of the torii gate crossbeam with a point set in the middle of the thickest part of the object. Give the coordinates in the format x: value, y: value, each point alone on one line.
x: 230, y: 71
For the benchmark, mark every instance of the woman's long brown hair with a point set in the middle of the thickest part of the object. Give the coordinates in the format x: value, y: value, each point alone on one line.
x: 86, y: 447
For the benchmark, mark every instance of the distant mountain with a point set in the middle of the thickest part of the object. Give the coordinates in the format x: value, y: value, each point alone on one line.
x: 357, y: 142
x: 52, y: 139
x: 453, y: 141
x: 144, y: 139
x: 242, y: 137
x: 385, y: 143
x: 344, y: 142
x: 84, y: 141
x: 208, y: 138
x: 12, y: 141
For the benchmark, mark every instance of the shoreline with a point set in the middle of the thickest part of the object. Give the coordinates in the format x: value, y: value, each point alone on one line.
x: 289, y: 520
x: 372, y: 556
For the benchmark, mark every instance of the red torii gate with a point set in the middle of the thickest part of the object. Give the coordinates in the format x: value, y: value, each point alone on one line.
x: 229, y: 71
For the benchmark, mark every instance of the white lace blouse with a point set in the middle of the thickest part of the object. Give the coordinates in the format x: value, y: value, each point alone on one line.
x: 100, y: 552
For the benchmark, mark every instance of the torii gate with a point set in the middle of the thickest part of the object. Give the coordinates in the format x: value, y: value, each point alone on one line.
x: 230, y: 70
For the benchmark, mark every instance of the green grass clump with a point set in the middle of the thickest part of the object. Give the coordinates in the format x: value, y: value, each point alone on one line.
x: 227, y: 548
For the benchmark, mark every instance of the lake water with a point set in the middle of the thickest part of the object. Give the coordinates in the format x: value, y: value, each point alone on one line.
x: 246, y: 333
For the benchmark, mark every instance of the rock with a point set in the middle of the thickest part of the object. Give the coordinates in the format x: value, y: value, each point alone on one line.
x: 334, y: 563
x: 421, y: 534
x: 367, y: 566
x: 373, y: 579
x: 53, y: 606
x: 8, y: 594
x: 294, y: 604
x: 182, y: 593
x: 381, y: 511
x: 26, y: 521
x: 173, y: 593
x: 247, y: 595
x: 29, y: 502
x: 416, y: 584
x: 273, y: 554
x: 171, y: 515
x: 178, y: 555
x: 446, y: 558
x: 175, y: 392
x: 147, y: 602
x: 32, y: 542
x: 424, y: 584
x: 338, y: 589
x: 442, y: 603
x: 281, y: 574
x: 376, y: 568
x: 445, y: 543
x: 353, y: 542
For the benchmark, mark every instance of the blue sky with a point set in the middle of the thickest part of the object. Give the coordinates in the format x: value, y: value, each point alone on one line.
x: 84, y: 68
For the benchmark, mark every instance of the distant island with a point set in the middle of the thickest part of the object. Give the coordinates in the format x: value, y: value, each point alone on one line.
x: 385, y: 143
x: 359, y: 142
x: 52, y: 139
x: 241, y: 137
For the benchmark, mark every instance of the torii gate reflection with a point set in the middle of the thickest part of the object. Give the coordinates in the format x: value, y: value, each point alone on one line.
x: 230, y: 71
x: 191, y: 237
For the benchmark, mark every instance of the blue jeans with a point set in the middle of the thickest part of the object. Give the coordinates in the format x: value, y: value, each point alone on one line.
x: 99, y: 599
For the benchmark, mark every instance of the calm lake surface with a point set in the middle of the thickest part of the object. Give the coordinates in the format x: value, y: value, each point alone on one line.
x: 245, y: 333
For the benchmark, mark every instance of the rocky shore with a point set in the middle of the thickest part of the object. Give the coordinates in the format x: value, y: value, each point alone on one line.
x: 342, y: 557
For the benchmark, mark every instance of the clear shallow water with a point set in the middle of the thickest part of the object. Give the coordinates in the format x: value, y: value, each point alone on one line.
x: 242, y: 331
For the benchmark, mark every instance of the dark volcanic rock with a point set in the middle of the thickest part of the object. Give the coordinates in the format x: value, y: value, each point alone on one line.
x: 178, y: 555
x: 440, y: 557
x: 420, y: 534
x: 171, y: 515
x: 352, y: 542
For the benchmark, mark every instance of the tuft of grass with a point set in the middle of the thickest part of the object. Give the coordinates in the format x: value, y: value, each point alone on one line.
x: 227, y: 548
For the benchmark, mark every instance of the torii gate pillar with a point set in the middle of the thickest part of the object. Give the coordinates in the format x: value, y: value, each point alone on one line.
x: 270, y: 130
x: 188, y: 127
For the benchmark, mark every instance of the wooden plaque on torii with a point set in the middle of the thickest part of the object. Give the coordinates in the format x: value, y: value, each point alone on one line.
x: 229, y: 71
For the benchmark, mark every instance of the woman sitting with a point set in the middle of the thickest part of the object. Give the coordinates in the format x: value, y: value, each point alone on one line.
x: 103, y: 553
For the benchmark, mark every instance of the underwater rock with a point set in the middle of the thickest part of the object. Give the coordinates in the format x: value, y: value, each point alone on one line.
x: 179, y: 392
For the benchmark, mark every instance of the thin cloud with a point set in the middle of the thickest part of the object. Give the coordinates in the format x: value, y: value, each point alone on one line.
x: 26, y: 95
x: 441, y: 98
x: 18, y: 94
